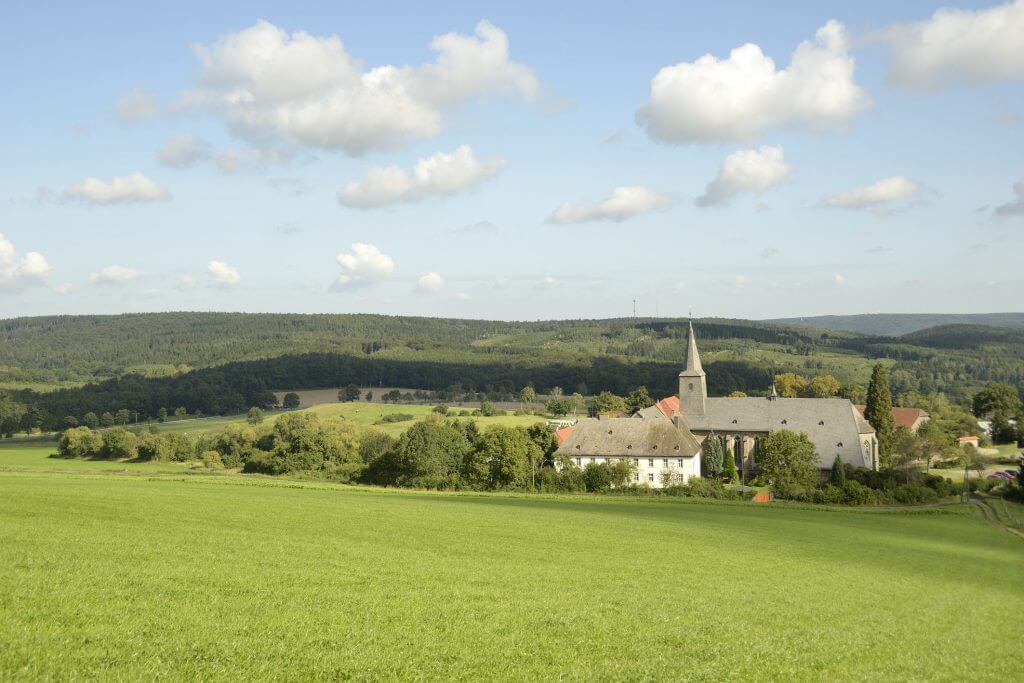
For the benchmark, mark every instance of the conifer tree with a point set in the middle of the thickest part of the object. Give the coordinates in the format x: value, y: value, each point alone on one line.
x: 838, y: 477
x: 729, y: 471
x: 712, y: 456
x: 878, y: 412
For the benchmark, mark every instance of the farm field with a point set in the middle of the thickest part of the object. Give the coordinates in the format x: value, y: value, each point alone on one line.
x: 109, y: 576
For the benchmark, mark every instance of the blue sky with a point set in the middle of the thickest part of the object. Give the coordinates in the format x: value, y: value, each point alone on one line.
x: 265, y: 167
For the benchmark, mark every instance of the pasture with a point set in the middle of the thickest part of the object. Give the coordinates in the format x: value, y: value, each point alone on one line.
x: 108, y: 576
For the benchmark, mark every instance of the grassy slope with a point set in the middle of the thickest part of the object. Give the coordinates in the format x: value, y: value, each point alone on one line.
x: 126, y: 577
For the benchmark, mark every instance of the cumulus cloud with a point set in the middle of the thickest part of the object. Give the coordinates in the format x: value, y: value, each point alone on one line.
x: 136, y: 105
x: 133, y: 188
x: 746, y: 170
x: 875, y: 196
x: 624, y: 202
x: 309, y: 90
x: 113, y: 275
x: 737, y: 98
x: 20, y: 273
x: 839, y: 279
x: 440, y: 174
x: 958, y: 46
x: 363, y: 266
x: 430, y: 282
x: 1016, y: 207
x: 184, y: 151
x: 223, y: 275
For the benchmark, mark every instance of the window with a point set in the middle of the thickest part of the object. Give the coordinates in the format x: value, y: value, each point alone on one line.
x: 636, y: 462
x: 636, y: 476
x: 680, y: 462
x: 691, y: 386
x: 650, y: 463
x: 650, y: 476
x: 664, y: 462
x: 577, y: 462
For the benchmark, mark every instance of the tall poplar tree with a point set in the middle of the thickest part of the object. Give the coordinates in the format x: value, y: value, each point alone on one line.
x: 878, y: 412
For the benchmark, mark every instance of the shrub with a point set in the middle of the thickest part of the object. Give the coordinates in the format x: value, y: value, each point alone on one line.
x: 80, y: 442
x: 855, y: 493
x: 211, y: 460
x: 441, y: 409
x: 396, y: 417
x: 597, y: 477
x: 119, y: 443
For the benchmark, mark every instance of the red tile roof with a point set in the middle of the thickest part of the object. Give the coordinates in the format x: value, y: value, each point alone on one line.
x: 905, y: 417
x: 563, y: 434
x: 668, y: 406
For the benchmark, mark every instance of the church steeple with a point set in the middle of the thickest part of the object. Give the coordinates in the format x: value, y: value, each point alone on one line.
x: 692, y: 359
x: 693, y: 386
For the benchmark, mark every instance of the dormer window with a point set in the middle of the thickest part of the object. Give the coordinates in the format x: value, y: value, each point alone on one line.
x: 735, y: 421
x: 821, y: 423
x: 839, y: 445
x: 785, y: 422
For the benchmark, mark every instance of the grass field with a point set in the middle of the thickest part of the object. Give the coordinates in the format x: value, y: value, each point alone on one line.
x: 128, y: 577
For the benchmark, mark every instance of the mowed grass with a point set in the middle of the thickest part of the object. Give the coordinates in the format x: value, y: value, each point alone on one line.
x: 371, y: 413
x: 230, y: 578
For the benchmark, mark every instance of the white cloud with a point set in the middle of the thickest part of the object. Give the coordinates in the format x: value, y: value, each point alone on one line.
x: 363, y: 266
x: 136, y: 105
x: 746, y: 170
x: 876, y: 195
x: 184, y: 151
x: 430, y: 282
x: 186, y: 283
x: 17, y: 274
x: 439, y: 174
x: 1016, y: 207
x: 223, y: 275
x: 546, y: 282
x: 463, y: 296
x: 736, y: 99
x: 624, y: 202
x: 958, y: 46
x: 839, y: 279
x: 113, y: 275
x: 308, y: 90
x: 120, y: 190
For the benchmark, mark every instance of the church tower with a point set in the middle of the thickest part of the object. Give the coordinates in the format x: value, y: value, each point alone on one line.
x: 693, y: 385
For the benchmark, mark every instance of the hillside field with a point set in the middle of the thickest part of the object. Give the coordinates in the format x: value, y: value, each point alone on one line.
x: 156, y: 575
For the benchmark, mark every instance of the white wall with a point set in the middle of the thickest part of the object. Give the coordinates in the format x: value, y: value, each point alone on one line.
x: 649, y: 470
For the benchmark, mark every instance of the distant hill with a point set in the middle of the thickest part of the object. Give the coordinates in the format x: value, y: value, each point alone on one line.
x: 964, y: 336
x: 897, y: 324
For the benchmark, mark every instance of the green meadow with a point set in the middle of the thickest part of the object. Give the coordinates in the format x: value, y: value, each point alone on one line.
x: 108, y: 576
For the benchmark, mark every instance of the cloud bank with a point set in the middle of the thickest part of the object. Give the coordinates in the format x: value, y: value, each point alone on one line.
x: 365, y: 265
x: 133, y: 188
x: 308, y: 90
x: 958, y: 46
x: 737, y: 98
x: 16, y: 273
x: 747, y: 170
x: 438, y: 175
x: 624, y: 203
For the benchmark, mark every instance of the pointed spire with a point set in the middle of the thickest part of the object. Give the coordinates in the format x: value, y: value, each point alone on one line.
x: 692, y: 365
x: 774, y: 395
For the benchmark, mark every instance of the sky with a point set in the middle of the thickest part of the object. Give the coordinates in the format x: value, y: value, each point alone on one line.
x: 512, y: 160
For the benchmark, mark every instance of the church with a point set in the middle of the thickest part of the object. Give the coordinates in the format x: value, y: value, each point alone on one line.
x: 834, y: 425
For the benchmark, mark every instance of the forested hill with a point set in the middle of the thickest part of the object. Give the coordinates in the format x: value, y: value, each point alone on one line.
x: 222, y: 362
x: 82, y: 348
x: 896, y: 324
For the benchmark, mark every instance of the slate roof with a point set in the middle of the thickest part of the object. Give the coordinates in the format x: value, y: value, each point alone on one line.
x: 692, y: 364
x: 833, y: 424
x: 624, y: 436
